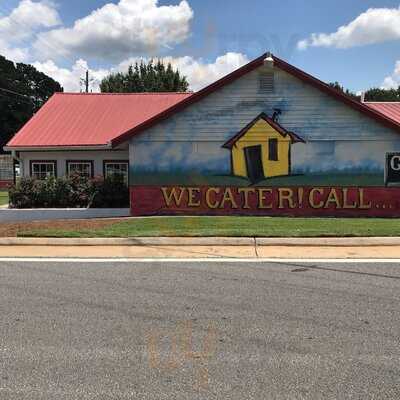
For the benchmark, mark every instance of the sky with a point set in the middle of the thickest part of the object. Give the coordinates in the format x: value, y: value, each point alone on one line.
x: 354, y: 42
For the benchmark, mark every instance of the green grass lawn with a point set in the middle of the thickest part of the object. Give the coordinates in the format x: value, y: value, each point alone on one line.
x: 229, y: 226
x: 3, y: 197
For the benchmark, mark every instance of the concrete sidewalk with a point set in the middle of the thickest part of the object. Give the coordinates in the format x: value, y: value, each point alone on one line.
x: 246, y: 248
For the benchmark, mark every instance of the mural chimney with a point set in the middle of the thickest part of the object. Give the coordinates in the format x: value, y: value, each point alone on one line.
x: 276, y: 114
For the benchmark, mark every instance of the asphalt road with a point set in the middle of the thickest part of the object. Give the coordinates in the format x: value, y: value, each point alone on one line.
x: 199, y: 331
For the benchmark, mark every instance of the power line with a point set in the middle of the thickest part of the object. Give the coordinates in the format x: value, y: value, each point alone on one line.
x: 18, y: 94
x: 9, y: 94
x: 26, y: 101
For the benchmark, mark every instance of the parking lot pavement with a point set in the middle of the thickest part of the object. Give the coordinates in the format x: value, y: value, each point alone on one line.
x: 199, y: 330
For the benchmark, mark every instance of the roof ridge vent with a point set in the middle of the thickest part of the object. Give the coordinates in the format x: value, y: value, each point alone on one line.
x: 269, y: 60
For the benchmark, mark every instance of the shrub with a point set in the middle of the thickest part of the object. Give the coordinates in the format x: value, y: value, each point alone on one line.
x: 72, y: 192
x: 22, y: 195
x: 112, y: 193
x: 82, y: 190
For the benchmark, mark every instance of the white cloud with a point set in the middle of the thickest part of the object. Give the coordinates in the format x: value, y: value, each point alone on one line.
x: 393, y: 81
x: 16, y: 54
x: 198, y: 72
x: 376, y: 25
x: 27, y: 18
x: 21, y: 24
x: 201, y: 74
x: 70, y: 79
x: 116, y: 31
x: 110, y: 33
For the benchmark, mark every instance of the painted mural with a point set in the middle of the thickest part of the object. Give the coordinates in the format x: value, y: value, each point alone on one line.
x: 262, y: 149
x: 260, y: 156
x: 290, y: 150
x: 263, y: 152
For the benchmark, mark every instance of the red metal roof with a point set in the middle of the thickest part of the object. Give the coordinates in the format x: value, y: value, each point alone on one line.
x: 390, y: 110
x: 77, y: 119
x: 80, y: 119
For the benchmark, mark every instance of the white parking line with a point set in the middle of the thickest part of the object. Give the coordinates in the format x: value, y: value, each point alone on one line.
x: 203, y: 260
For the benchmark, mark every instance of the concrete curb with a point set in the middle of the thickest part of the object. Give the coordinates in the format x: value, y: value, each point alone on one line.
x: 146, y: 241
x: 205, y: 241
x: 54, y: 214
x: 330, y: 242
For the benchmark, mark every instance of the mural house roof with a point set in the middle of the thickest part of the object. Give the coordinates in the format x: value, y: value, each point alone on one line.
x: 293, y: 137
x: 258, y: 62
x: 81, y: 119
x: 389, y: 109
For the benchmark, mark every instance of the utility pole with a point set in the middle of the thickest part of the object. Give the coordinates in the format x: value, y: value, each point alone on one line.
x: 87, y: 81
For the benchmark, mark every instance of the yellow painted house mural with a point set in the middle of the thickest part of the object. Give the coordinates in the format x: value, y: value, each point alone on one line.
x: 262, y: 149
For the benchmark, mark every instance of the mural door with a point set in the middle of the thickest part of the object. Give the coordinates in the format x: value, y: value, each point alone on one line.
x: 254, y: 163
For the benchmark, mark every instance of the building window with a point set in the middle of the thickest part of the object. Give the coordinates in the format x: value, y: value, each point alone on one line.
x: 43, y: 169
x: 119, y: 168
x: 83, y: 168
x: 273, y: 149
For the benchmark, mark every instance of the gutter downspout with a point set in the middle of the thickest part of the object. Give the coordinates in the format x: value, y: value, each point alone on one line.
x: 15, y: 156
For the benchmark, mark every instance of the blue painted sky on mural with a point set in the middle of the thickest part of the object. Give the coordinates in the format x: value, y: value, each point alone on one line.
x: 205, y: 38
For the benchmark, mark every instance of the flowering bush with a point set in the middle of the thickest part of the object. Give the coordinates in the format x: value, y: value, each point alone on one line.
x: 72, y: 192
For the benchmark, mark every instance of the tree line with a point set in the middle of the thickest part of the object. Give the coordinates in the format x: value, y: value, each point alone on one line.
x: 145, y: 77
x: 373, y: 94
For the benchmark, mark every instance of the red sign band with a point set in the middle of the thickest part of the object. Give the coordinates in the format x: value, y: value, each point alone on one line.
x: 284, y: 201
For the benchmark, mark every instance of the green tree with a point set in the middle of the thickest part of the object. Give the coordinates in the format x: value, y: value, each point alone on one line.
x: 340, y: 88
x: 377, y: 94
x: 373, y: 94
x: 145, y: 77
x: 23, y: 90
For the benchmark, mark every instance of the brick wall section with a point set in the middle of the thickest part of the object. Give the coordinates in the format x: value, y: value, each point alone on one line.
x: 5, y: 184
